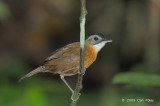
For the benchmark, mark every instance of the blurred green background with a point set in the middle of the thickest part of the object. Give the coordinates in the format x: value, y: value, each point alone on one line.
x: 126, y: 69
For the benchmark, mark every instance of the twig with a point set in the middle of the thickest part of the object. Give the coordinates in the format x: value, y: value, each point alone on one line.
x: 76, y: 94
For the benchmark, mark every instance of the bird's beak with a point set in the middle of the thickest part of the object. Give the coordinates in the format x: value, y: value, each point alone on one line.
x: 109, y: 41
x: 106, y: 41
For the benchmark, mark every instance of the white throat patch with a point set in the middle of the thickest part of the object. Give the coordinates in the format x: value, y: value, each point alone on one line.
x: 99, y: 46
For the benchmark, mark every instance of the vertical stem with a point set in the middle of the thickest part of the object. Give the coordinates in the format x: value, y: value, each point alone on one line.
x: 76, y: 94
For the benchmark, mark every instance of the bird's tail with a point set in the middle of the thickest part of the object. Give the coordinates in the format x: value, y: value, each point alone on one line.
x: 37, y: 70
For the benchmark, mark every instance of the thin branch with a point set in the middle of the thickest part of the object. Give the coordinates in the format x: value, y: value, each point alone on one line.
x: 76, y: 94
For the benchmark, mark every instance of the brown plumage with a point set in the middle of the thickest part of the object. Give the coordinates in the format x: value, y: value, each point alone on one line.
x: 65, y: 61
x: 37, y: 70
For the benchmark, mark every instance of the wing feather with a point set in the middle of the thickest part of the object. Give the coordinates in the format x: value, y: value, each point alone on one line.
x: 64, y: 55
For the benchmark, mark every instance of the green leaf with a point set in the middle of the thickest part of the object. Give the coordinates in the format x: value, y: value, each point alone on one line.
x: 144, y: 79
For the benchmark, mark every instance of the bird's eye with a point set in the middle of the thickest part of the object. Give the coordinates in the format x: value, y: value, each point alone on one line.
x: 96, y: 38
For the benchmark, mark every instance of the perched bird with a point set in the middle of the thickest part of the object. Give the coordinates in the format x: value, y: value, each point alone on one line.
x: 65, y: 61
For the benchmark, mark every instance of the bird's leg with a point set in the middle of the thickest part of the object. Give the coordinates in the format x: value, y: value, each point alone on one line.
x: 62, y: 77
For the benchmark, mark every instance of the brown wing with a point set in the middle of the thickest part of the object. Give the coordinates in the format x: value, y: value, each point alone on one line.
x: 64, y: 58
x: 63, y: 55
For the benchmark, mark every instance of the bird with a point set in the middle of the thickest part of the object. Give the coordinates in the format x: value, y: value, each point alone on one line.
x: 65, y: 61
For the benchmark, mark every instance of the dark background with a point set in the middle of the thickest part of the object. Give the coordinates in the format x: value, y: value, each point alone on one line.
x: 128, y: 68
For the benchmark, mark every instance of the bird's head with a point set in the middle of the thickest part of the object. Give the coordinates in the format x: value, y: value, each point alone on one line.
x: 98, y: 41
